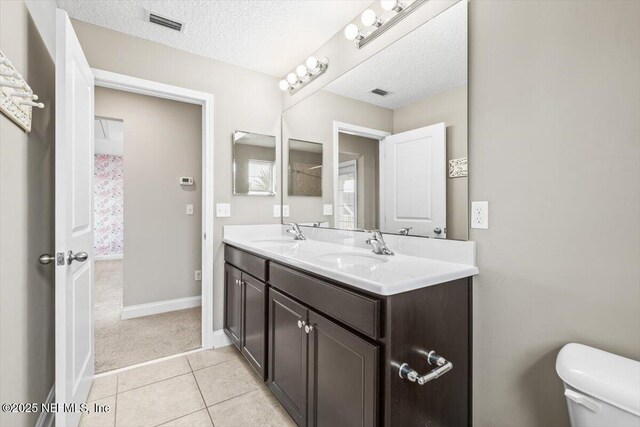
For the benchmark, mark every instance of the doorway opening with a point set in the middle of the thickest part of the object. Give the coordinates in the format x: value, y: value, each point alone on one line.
x: 153, y: 167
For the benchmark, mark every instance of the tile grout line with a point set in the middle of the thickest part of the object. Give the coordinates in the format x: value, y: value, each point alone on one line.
x: 115, y: 415
x: 155, y: 382
x: 181, y: 416
x: 231, y: 398
x: 201, y: 395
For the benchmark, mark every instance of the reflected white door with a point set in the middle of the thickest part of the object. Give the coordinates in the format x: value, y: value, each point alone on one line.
x: 414, y: 189
x: 73, y: 223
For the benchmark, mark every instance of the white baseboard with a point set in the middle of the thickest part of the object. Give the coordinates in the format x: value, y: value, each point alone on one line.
x: 220, y: 339
x: 142, y: 310
x: 46, y: 418
x: 108, y: 257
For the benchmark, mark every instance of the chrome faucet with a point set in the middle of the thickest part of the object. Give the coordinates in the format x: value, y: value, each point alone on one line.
x: 404, y: 231
x: 377, y: 243
x: 295, y: 230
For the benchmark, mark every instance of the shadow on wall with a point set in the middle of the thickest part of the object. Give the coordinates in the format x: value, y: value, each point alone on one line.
x: 40, y: 173
x: 545, y: 399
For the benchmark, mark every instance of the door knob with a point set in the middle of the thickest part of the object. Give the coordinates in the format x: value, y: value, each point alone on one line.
x: 80, y: 257
x: 45, y: 259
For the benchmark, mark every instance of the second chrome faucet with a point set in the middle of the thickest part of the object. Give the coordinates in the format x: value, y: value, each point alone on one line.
x: 377, y: 243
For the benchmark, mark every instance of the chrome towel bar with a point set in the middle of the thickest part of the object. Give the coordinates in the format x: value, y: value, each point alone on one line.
x: 442, y: 367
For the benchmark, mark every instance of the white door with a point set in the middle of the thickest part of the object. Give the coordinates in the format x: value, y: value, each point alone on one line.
x: 414, y: 187
x: 73, y: 223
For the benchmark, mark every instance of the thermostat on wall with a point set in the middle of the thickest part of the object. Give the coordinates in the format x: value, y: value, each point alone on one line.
x: 185, y: 180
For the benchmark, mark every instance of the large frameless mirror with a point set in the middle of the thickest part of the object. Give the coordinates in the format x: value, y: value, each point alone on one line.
x: 254, y: 164
x: 394, y: 138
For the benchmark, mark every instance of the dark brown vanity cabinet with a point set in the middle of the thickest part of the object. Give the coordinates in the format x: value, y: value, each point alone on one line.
x: 245, y: 304
x: 331, y: 353
x: 233, y: 304
x: 321, y: 373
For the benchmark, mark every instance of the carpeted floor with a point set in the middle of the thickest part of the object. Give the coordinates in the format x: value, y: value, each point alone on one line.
x: 120, y: 343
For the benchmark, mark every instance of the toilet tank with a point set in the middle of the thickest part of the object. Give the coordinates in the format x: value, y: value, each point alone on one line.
x: 602, y: 389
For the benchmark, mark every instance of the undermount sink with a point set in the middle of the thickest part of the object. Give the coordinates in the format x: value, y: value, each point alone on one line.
x: 344, y: 259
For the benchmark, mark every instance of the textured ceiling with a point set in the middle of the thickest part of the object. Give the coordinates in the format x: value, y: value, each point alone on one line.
x: 269, y: 36
x: 430, y: 60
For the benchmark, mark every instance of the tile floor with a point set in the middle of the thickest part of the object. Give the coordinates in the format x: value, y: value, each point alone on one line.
x: 208, y: 388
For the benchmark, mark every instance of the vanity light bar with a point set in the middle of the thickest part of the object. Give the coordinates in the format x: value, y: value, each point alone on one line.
x: 379, y: 25
x: 304, y: 73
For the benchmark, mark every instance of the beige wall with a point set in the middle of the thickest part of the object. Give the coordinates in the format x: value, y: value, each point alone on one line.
x: 449, y: 107
x: 162, y: 245
x: 243, y: 100
x: 26, y: 226
x: 365, y: 152
x: 555, y: 148
x: 312, y: 120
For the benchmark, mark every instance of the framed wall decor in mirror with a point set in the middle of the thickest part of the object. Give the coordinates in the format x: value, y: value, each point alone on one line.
x: 390, y: 130
x: 254, y: 164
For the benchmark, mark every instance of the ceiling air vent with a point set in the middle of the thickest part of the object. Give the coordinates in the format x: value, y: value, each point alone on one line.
x: 380, y: 92
x: 154, y: 18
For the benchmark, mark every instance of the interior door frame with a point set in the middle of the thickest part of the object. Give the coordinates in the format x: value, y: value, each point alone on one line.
x: 351, y: 129
x: 126, y: 83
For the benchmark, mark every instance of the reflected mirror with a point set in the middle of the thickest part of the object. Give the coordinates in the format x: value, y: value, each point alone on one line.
x: 394, y: 137
x: 254, y: 164
x: 305, y: 168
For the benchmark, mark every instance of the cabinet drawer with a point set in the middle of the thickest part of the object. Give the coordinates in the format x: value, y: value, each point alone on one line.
x: 357, y: 311
x: 252, y: 264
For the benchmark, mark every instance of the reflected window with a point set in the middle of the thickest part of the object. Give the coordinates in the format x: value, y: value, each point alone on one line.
x: 347, y: 195
x: 261, y: 173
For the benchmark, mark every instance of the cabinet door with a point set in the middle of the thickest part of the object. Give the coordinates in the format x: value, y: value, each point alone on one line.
x: 254, y: 345
x: 343, y: 376
x: 288, y: 355
x: 233, y: 304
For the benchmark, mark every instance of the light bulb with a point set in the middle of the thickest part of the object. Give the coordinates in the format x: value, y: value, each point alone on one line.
x: 389, y: 4
x: 351, y: 31
x: 312, y: 63
x: 369, y: 18
x: 301, y: 70
x: 283, y: 85
x: 292, y: 78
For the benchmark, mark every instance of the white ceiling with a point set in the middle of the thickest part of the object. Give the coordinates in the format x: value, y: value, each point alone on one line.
x: 430, y: 60
x: 109, y: 136
x: 254, y: 139
x: 269, y: 36
x: 309, y: 147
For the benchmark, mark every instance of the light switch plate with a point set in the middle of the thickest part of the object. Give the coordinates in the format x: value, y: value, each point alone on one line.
x: 480, y: 215
x: 285, y: 211
x: 189, y: 209
x: 223, y: 210
x: 327, y: 210
x: 276, y: 211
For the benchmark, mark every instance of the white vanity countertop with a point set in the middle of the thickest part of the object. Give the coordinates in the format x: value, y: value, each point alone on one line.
x: 355, y: 266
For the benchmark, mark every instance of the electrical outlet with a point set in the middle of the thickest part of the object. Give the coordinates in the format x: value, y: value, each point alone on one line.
x: 327, y: 210
x: 285, y: 211
x: 198, y: 275
x: 189, y: 209
x: 276, y: 211
x: 480, y: 215
x: 223, y: 210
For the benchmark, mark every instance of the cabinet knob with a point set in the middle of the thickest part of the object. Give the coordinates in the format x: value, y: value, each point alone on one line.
x: 308, y: 328
x: 302, y: 323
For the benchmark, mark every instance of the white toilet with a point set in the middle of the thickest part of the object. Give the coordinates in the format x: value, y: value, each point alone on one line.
x: 602, y: 389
